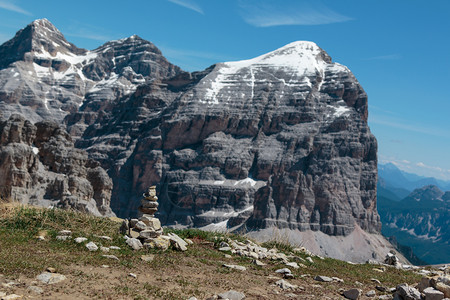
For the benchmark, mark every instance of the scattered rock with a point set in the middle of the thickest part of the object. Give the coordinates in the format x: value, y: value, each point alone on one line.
x: 134, y: 243
x: 132, y: 275
x: 51, y: 270
x: 407, y: 292
x: 104, y: 237
x: 309, y: 259
x: 110, y: 256
x: 283, y: 271
x: 34, y: 289
x: 433, y: 294
x: 104, y: 249
x: 65, y: 233
x: 190, y: 242
x: 371, y: 293
x: 80, y: 240
x: 177, y: 242
x: 392, y: 259
x: 92, y: 246
x: 236, y: 267
x: 63, y: 237
x: 258, y: 263
x: 288, y: 276
x: 352, y: 294
x: 147, y: 258
x: 375, y: 280
x: 323, y: 278
x: 381, y: 288
x: 283, y: 284
x: 231, y: 295
x: 12, y: 297
x: 50, y: 278
x: 224, y: 249
x: 293, y: 265
x: 114, y: 248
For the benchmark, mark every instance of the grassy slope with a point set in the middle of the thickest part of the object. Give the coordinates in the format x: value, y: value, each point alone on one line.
x: 171, y: 275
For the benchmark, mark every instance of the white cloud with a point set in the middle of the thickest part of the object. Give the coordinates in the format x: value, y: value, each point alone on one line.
x: 9, y: 5
x: 418, y: 168
x: 189, y: 4
x: 266, y: 13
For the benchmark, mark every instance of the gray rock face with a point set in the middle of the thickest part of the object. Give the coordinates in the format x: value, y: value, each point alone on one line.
x: 39, y: 165
x: 280, y: 140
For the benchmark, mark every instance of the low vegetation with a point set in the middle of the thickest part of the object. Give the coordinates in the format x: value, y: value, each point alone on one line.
x: 197, y: 272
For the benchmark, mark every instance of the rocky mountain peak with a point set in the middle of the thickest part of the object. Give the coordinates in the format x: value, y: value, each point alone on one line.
x: 38, y: 39
x: 426, y: 193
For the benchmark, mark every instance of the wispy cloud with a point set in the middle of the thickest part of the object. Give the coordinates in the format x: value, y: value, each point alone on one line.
x: 89, y: 35
x: 267, y: 13
x: 9, y: 5
x: 189, y: 4
x: 192, y: 60
x: 386, y: 57
x: 87, y: 31
x: 416, y: 127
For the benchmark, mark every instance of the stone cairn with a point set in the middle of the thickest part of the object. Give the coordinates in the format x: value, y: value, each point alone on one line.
x: 147, y: 229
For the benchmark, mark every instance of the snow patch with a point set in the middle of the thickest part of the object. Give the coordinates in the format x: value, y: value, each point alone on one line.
x: 246, y: 181
x: 298, y: 58
x: 35, y: 150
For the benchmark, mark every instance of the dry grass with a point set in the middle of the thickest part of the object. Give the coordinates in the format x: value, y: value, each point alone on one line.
x: 171, y: 275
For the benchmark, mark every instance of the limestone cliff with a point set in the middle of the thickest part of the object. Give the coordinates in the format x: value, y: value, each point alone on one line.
x: 280, y: 140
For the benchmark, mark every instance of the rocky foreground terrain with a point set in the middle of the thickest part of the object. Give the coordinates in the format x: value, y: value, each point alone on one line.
x: 277, y: 141
x: 60, y: 254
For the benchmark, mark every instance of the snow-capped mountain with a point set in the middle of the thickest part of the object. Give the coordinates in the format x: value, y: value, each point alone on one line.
x: 280, y: 140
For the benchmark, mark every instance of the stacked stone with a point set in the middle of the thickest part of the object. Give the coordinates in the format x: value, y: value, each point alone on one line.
x: 148, y: 228
x: 149, y: 204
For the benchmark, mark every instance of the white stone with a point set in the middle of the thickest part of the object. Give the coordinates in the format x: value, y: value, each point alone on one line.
x: 80, y: 240
x: 50, y: 278
x: 92, y: 246
x: 134, y: 243
x: 283, y: 284
x: 235, y: 267
x: 292, y: 265
x: 432, y: 294
x: 110, y: 256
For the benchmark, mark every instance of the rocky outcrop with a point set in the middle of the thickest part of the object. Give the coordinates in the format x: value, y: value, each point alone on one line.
x: 39, y: 165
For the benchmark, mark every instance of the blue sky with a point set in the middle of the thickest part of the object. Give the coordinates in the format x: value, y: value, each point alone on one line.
x: 399, y: 50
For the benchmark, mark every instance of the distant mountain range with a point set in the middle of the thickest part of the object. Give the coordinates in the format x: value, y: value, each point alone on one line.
x: 419, y: 219
x: 402, y: 183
